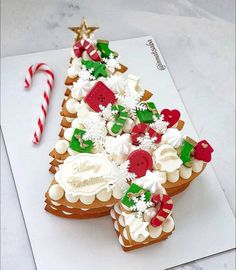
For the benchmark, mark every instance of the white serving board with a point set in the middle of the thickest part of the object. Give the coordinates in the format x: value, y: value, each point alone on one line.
x: 204, y: 220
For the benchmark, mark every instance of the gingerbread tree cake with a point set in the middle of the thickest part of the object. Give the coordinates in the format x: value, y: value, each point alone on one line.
x: 117, y: 154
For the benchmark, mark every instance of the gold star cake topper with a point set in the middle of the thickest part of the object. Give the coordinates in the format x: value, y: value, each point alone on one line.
x: 83, y: 30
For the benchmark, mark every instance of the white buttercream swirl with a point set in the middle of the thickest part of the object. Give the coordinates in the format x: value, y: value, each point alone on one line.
x: 61, y: 146
x: 173, y: 137
x: 56, y: 192
x: 84, y: 112
x: 119, y: 147
x: 197, y: 165
x: 152, y: 181
x: 112, y: 64
x: 128, y: 126
x: 72, y: 105
x: 168, y: 224
x: 74, y: 68
x: 116, y: 83
x: 80, y: 89
x: 137, y: 227
x: 68, y: 133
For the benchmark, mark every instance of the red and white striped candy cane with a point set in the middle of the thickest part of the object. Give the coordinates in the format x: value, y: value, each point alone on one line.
x: 84, y: 45
x: 166, y: 205
x: 46, y: 95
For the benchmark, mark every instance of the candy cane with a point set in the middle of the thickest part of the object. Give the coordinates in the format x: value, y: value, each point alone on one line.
x: 46, y: 96
x: 84, y: 45
x: 164, y: 210
x: 121, y: 118
x: 140, y: 130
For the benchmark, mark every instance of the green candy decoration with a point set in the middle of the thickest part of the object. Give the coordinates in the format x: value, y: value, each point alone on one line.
x: 185, y: 153
x: 146, y: 116
x: 135, y: 191
x: 103, y: 47
x: 120, y: 118
x: 78, y: 144
x: 99, y: 69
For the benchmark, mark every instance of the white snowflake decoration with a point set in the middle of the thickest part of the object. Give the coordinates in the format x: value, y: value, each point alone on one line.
x: 159, y: 125
x: 112, y: 63
x: 86, y: 74
x: 95, y: 129
x: 107, y: 113
x: 140, y: 205
x: 146, y: 142
x: 99, y: 146
x: 140, y: 107
x: 131, y: 103
x: 120, y: 175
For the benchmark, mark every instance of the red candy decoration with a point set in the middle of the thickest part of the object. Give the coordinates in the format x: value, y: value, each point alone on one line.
x: 84, y: 45
x: 203, y: 151
x: 171, y: 116
x: 165, y: 205
x: 100, y: 94
x: 140, y: 162
x: 140, y: 130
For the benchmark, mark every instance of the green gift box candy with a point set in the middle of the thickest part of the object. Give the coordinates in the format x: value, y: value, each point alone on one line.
x: 146, y: 116
x: 135, y: 191
x: 78, y: 144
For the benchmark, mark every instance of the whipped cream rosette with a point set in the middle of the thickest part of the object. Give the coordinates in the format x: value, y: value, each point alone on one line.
x: 173, y: 137
x: 152, y: 181
x: 118, y: 147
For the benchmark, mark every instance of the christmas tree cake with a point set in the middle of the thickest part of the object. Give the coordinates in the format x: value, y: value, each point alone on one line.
x: 116, y: 150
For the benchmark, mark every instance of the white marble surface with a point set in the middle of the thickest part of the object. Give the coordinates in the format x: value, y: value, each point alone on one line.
x: 197, y: 40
